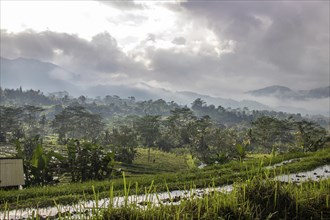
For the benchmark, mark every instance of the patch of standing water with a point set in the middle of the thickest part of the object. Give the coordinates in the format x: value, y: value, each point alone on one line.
x: 282, y: 163
x: 314, y: 175
x: 83, y: 208
x: 202, y: 165
x: 318, y: 173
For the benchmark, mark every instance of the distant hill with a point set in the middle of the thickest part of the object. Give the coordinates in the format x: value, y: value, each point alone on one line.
x: 35, y: 74
x: 283, y: 92
x: 181, y: 97
x: 224, y: 102
x: 322, y: 92
x: 50, y: 78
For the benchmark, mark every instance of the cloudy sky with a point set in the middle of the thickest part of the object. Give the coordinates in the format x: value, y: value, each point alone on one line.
x: 210, y: 47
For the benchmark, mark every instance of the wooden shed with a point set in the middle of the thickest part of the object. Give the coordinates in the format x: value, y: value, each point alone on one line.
x: 11, y: 172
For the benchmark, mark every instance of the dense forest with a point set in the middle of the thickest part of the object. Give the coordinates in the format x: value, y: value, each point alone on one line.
x: 96, y: 134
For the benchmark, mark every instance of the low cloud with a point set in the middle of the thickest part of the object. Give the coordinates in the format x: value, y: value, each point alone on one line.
x: 60, y: 74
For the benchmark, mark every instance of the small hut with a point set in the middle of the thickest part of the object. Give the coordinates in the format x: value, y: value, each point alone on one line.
x: 11, y: 172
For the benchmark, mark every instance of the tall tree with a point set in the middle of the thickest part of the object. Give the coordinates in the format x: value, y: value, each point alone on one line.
x: 31, y: 119
x: 148, y: 131
x: 11, y: 126
x: 269, y: 133
x: 221, y: 144
x: 182, y: 126
x: 124, y: 141
x: 310, y: 136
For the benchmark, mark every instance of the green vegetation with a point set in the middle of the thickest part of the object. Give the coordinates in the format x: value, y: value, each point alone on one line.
x: 77, y: 149
x: 254, y: 199
x: 160, y: 162
x: 216, y: 175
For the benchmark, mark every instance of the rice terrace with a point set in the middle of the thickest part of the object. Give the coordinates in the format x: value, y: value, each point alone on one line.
x: 172, y: 166
x: 175, y: 109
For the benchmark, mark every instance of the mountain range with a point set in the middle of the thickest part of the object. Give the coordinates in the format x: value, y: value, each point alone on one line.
x: 34, y: 74
x: 283, y: 92
x: 48, y: 77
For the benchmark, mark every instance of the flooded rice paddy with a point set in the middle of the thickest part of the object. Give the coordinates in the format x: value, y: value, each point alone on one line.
x: 174, y: 197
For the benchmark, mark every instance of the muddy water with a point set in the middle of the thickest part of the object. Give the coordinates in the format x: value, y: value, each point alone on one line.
x: 317, y: 174
x: 314, y: 175
x: 283, y: 163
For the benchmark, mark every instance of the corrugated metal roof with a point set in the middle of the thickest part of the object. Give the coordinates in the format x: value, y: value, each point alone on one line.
x: 11, y: 172
x: 10, y: 158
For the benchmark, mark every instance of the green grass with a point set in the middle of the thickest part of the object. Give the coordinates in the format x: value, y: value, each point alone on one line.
x: 160, y: 162
x: 220, y: 174
x: 254, y: 199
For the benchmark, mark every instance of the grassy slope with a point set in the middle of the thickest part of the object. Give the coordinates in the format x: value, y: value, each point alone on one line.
x: 160, y: 162
x: 253, y: 199
x: 178, y: 178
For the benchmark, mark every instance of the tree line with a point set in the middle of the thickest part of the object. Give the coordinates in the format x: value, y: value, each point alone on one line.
x: 113, y: 106
x: 95, y: 141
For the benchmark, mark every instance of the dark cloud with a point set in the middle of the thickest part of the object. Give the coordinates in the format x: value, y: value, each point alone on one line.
x: 27, y: 44
x: 179, y: 41
x: 265, y: 43
x: 151, y: 37
x: 123, y: 5
x: 100, y: 55
x: 291, y: 38
x: 202, y: 72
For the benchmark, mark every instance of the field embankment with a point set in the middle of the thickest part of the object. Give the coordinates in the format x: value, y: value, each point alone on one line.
x: 181, y: 178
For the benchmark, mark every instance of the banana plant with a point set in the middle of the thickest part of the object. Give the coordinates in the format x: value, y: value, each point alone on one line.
x: 41, y: 165
x: 241, y: 148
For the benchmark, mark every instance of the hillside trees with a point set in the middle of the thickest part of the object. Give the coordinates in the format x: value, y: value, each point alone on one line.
x: 198, y: 105
x: 181, y: 124
x: 310, y: 136
x: 269, y: 132
x: 202, y: 127
x: 21, y: 98
x: 221, y: 142
x: 11, y: 127
x: 19, y: 122
x: 32, y: 117
x: 209, y: 133
x: 76, y: 122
